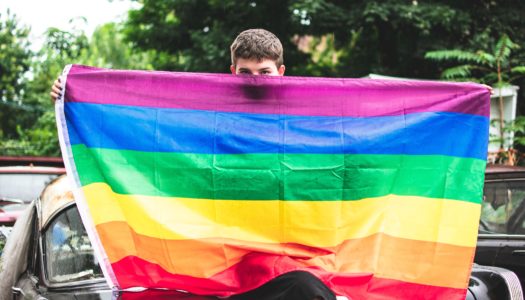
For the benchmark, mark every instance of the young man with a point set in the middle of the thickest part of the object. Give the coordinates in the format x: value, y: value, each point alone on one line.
x: 259, y: 52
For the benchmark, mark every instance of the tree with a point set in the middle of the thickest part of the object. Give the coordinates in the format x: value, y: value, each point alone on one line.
x: 105, y: 48
x: 494, y: 67
x: 393, y: 35
x: 14, y: 57
x: 14, y: 62
x: 195, y: 35
x: 389, y: 37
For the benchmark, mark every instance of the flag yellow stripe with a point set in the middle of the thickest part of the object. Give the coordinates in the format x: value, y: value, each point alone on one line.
x: 311, y: 223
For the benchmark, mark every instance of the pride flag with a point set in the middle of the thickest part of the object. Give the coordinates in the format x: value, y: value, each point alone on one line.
x: 215, y: 184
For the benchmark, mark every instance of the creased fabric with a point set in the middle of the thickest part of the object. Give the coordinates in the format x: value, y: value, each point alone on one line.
x: 215, y: 184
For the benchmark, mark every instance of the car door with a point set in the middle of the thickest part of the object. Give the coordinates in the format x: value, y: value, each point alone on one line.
x: 501, y: 239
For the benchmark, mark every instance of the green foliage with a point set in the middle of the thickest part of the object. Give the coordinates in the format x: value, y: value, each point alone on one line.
x: 192, y: 35
x: 503, y: 48
x: 463, y: 71
x: 388, y: 37
x: 493, y: 68
x: 517, y: 73
x: 39, y: 140
x: 106, y: 48
x: 479, y: 57
x: 14, y: 57
x: 513, y: 135
x: 14, y: 62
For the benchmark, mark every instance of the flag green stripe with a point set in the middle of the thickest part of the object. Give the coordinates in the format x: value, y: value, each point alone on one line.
x: 325, y: 177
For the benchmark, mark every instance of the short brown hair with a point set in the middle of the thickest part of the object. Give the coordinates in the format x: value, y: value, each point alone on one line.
x: 257, y: 44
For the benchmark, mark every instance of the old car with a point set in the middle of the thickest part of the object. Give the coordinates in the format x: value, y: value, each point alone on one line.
x: 49, y: 256
x: 501, y: 239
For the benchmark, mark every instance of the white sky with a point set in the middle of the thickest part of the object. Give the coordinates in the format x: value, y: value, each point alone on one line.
x: 42, y: 14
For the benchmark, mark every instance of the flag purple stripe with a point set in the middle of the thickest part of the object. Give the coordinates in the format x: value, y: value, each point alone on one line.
x: 267, y: 95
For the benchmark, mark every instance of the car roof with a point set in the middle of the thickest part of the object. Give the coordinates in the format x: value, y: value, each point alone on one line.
x: 31, y: 165
x: 55, y: 196
x: 31, y: 161
x: 494, y: 172
x: 31, y: 170
x: 492, y: 168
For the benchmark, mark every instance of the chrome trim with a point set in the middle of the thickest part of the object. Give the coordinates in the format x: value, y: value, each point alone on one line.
x: 16, y: 291
x: 504, y: 179
x: 54, y: 214
x: 501, y: 236
x: 511, y: 280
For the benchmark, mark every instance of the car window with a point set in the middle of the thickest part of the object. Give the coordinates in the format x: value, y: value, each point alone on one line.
x: 503, y: 208
x: 25, y: 187
x: 68, y: 254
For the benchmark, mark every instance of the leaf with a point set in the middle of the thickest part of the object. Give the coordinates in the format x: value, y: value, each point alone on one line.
x: 519, y: 141
x: 456, y: 55
x: 503, y: 48
x: 462, y: 71
x: 488, y: 58
x: 518, y: 69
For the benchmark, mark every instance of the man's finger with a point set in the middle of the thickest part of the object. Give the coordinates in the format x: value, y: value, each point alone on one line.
x: 54, y: 96
x: 57, y: 84
x: 56, y: 89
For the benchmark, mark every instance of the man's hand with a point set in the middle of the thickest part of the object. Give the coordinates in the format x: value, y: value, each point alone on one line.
x: 56, y: 90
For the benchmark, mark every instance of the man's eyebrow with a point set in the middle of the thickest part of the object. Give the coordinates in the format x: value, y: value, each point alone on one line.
x: 264, y: 69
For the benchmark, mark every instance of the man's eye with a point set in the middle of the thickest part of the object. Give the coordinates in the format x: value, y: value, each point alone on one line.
x: 244, y: 72
x: 265, y: 72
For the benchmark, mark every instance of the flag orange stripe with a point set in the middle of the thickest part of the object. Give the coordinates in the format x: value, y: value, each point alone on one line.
x: 407, y: 260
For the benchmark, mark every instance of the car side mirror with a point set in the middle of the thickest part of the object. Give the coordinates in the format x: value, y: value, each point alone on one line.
x: 17, y: 291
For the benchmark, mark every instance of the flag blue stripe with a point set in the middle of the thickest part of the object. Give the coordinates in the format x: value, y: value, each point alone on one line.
x: 196, y: 131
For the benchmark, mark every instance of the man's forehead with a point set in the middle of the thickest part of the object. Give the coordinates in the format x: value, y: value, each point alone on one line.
x: 260, y: 68
x: 265, y: 63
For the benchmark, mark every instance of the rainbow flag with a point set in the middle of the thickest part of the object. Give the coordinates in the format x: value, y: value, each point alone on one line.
x: 215, y: 184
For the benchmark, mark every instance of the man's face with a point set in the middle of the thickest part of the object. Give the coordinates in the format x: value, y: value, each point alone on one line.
x: 255, y: 67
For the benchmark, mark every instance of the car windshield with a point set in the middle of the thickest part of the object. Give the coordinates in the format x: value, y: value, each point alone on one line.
x: 25, y: 187
x: 503, y: 207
